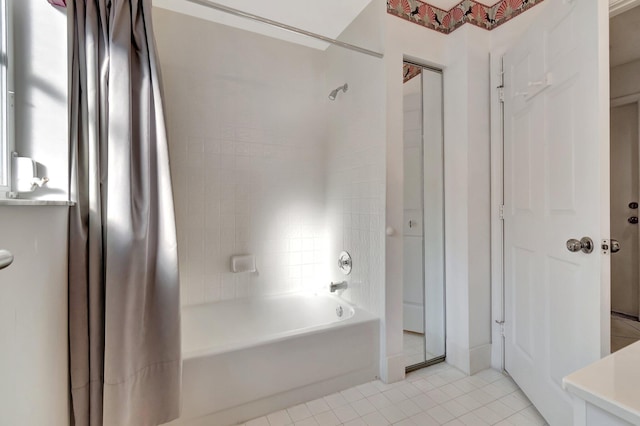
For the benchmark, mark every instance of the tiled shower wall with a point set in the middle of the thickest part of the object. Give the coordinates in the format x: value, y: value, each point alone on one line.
x: 356, y: 169
x: 246, y: 116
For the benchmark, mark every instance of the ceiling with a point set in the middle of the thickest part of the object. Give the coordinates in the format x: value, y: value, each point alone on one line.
x: 327, y: 17
x: 624, y: 37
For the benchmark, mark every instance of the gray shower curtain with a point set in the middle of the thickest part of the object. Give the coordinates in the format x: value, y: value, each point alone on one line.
x: 124, y: 309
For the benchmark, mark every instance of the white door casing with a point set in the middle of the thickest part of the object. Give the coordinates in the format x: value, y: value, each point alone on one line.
x: 556, y: 177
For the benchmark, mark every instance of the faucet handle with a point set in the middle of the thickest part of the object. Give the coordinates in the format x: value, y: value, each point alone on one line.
x: 344, y: 263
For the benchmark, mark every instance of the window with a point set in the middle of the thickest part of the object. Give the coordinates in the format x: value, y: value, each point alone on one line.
x: 6, y: 98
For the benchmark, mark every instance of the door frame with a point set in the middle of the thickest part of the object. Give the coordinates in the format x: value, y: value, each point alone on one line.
x: 616, y: 7
x: 631, y: 99
x: 442, y: 358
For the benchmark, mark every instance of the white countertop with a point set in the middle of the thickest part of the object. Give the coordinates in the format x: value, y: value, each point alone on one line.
x: 612, y: 383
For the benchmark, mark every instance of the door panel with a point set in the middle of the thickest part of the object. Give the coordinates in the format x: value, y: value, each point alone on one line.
x: 556, y: 188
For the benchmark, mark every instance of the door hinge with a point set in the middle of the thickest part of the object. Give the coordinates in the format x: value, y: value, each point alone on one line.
x: 501, y: 324
x: 501, y: 93
x: 501, y: 212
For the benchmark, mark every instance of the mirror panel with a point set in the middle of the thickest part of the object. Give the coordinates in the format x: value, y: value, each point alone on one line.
x: 423, y: 231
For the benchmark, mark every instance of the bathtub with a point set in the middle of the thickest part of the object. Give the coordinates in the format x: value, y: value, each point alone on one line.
x: 246, y: 358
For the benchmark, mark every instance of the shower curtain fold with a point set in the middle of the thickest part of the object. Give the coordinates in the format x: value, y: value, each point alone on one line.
x: 124, y: 308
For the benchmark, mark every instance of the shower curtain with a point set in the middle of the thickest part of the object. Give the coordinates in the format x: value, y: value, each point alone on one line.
x: 124, y: 310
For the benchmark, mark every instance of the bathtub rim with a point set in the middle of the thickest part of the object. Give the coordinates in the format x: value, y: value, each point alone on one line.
x: 359, y: 316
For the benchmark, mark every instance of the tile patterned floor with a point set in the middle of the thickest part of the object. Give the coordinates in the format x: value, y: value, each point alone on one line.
x: 624, y: 332
x: 437, y: 395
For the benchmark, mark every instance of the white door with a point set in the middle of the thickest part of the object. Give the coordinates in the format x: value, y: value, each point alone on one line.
x: 556, y: 166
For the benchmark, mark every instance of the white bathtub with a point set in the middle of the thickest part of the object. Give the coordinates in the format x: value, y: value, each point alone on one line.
x: 246, y: 358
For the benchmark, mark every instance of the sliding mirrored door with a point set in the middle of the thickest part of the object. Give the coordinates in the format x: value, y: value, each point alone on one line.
x: 423, y: 233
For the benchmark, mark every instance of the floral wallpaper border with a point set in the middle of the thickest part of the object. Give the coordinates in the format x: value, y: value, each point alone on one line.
x: 409, y: 71
x: 447, y: 21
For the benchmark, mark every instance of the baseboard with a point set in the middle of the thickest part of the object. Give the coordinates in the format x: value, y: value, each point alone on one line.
x: 479, y: 358
x: 469, y: 361
x: 393, y: 368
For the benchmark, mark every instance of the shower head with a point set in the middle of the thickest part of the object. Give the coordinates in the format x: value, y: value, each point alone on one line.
x: 335, y: 91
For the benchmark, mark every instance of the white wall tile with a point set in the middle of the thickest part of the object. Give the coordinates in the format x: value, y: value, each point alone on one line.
x: 246, y: 118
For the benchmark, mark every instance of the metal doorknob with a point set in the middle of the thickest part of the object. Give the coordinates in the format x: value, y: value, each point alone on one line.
x: 585, y: 245
x: 615, y: 246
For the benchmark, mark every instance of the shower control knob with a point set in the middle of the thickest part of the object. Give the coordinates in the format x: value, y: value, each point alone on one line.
x: 633, y: 205
x: 633, y: 220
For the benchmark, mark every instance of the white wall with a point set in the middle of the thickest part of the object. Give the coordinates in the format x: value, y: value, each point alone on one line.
x: 33, y: 290
x: 33, y: 317
x: 246, y: 116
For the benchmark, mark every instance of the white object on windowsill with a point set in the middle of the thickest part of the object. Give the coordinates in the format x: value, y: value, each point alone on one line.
x: 25, y: 175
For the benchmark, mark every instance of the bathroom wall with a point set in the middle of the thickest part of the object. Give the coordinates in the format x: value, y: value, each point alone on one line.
x: 33, y: 290
x: 246, y: 117
x: 355, y: 167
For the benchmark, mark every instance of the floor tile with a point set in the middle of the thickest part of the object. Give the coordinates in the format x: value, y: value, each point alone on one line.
x: 345, y: 413
x: 392, y: 413
x: 279, y: 418
x: 436, y: 395
x: 306, y: 422
x: 328, y: 418
x: 262, y: 421
x: 299, y: 412
x: 375, y: 419
x: 363, y: 407
x: 318, y: 406
x: 441, y: 414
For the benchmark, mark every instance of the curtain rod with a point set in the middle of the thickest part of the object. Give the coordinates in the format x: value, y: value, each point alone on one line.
x: 286, y: 27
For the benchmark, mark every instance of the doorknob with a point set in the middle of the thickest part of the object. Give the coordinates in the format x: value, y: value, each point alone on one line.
x: 6, y: 258
x: 615, y: 246
x: 585, y: 244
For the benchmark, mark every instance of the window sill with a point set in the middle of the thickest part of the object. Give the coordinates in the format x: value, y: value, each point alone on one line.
x: 22, y: 202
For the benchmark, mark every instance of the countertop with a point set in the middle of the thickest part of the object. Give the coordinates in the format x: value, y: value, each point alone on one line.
x: 612, y: 383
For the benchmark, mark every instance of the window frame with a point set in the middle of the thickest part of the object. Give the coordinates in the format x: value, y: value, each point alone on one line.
x: 7, y: 98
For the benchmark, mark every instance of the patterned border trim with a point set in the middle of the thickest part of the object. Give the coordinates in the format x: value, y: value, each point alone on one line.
x: 409, y: 71
x: 447, y: 21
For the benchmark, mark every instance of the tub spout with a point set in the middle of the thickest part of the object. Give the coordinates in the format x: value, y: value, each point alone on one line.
x: 337, y: 286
